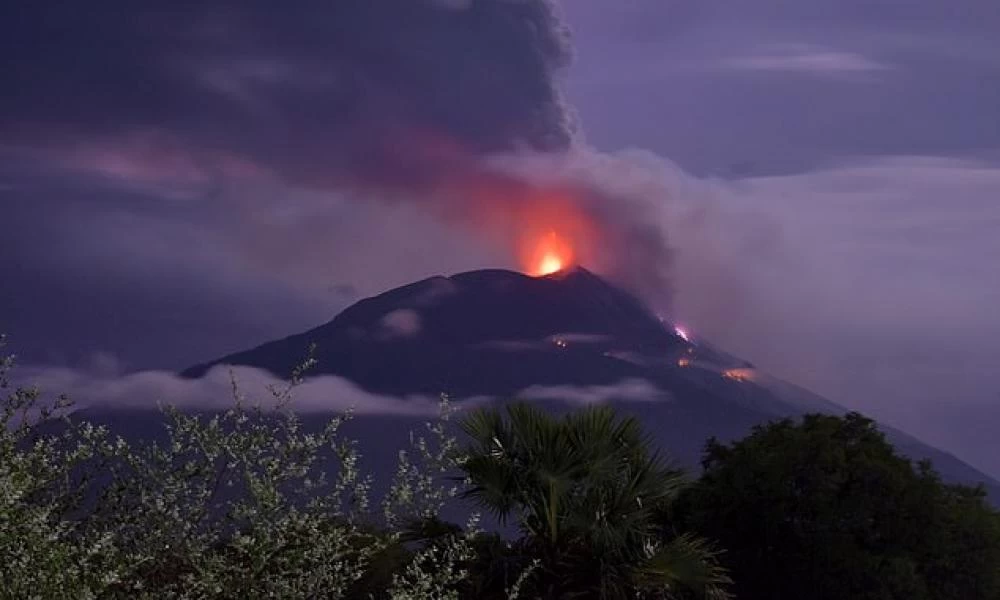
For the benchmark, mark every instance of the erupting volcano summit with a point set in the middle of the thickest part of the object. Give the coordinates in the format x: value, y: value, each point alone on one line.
x: 551, y: 255
x: 559, y: 334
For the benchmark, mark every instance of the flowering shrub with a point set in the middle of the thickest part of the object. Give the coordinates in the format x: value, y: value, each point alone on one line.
x: 241, y: 504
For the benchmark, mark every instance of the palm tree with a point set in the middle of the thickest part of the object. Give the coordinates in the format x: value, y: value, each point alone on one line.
x: 585, y: 491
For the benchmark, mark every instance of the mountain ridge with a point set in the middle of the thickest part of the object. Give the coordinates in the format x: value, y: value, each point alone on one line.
x: 499, y: 333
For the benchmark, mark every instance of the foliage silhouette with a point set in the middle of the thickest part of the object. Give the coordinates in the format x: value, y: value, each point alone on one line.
x: 584, y: 491
x: 827, y: 509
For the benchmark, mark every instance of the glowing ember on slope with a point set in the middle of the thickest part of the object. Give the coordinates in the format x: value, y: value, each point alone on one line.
x: 739, y: 374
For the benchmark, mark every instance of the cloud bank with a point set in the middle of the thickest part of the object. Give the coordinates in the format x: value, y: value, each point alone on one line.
x: 102, y: 385
x: 872, y: 283
x: 151, y: 389
x: 629, y: 390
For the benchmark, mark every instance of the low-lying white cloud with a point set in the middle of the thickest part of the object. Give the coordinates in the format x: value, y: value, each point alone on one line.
x: 150, y: 389
x: 805, y: 58
x: 629, y: 390
x: 102, y: 387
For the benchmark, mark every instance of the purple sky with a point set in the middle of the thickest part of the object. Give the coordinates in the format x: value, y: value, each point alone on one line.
x: 182, y: 181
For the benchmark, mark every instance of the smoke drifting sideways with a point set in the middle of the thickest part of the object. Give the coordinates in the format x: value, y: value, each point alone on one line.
x: 607, y: 220
x: 453, y: 107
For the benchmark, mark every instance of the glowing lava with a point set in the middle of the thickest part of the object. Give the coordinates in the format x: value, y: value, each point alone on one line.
x: 551, y: 254
x: 739, y: 374
x: 550, y: 264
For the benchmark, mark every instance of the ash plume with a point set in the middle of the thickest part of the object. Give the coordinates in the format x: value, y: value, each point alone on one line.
x: 387, y: 100
x: 354, y: 87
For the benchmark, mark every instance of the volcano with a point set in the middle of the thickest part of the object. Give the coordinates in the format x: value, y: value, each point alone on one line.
x: 560, y: 339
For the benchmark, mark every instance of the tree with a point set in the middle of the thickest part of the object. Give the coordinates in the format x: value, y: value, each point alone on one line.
x: 584, y: 490
x: 246, y: 503
x: 826, y: 509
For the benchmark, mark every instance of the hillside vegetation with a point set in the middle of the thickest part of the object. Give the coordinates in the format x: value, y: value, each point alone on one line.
x: 249, y: 503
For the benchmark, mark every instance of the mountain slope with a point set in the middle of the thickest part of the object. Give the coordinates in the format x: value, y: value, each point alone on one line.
x: 502, y: 334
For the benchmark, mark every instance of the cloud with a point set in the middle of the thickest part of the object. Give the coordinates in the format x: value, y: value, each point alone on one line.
x: 654, y: 75
x: 402, y: 323
x: 95, y: 387
x: 579, y: 338
x: 436, y: 288
x: 150, y: 389
x: 278, y: 127
x: 870, y: 282
x: 629, y: 390
x: 344, y: 88
x: 805, y: 59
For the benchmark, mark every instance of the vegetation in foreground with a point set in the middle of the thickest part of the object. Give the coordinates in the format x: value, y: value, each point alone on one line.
x: 826, y: 509
x: 248, y: 504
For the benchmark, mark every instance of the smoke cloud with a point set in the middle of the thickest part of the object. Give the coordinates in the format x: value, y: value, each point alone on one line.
x: 347, y: 87
x: 453, y: 107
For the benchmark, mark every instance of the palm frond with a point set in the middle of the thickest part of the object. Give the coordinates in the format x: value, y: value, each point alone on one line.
x: 687, y: 562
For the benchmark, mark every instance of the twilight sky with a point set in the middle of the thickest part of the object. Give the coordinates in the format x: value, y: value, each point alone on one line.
x: 818, y: 181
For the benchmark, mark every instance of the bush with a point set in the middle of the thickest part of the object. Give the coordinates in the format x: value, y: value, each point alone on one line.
x: 584, y: 491
x: 242, y: 504
x: 827, y: 509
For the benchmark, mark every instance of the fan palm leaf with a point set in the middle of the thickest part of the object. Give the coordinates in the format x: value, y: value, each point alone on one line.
x: 585, y: 490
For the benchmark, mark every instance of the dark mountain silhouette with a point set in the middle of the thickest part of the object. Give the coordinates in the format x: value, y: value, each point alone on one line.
x: 503, y: 334
x: 489, y: 332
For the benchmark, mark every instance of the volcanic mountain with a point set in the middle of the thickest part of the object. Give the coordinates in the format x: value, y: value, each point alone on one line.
x: 565, y: 338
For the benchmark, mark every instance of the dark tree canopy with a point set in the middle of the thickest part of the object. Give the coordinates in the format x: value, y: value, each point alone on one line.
x: 584, y: 490
x: 826, y: 509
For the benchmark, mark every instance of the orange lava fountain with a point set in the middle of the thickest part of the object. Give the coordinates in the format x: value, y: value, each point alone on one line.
x: 550, y: 255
